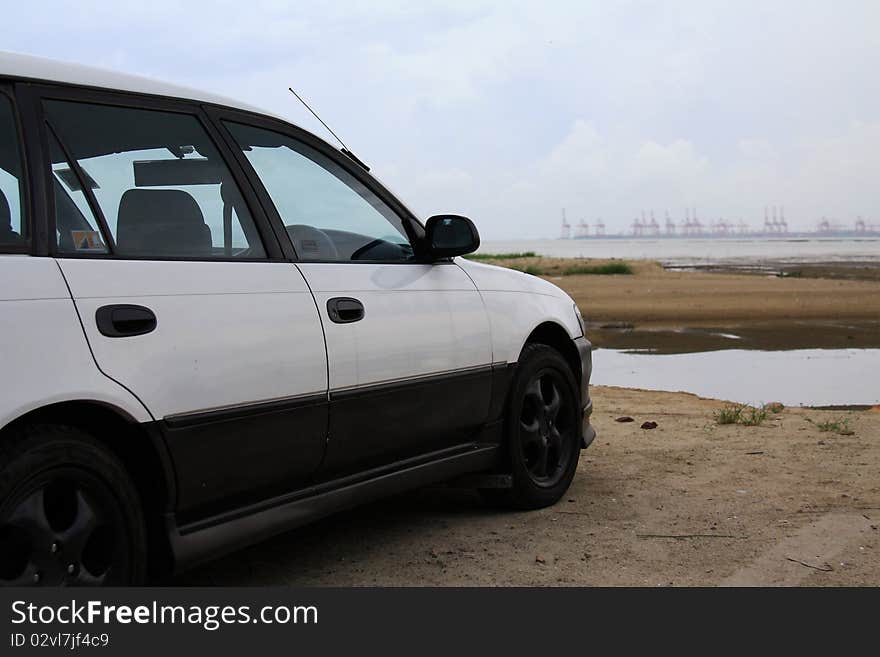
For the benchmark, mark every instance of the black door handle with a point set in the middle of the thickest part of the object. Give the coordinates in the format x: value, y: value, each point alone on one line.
x: 123, y: 320
x: 344, y: 310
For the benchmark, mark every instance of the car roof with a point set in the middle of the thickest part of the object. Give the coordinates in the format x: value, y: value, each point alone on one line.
x: 15, y: 65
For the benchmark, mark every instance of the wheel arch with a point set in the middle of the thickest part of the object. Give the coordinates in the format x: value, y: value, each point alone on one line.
x: 554, y: 335
x: 139, y: 446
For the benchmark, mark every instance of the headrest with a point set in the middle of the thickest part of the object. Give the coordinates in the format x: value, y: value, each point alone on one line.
x: 311, y: 243
x: 5, y: 214
x: 161, y: 222
x: 7, y: 235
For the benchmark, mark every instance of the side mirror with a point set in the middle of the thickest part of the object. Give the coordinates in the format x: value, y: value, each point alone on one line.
x: 449, y: 235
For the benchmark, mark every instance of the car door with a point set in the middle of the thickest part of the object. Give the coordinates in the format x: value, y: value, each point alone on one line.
x: 408, y: 340
x: 184, y: 296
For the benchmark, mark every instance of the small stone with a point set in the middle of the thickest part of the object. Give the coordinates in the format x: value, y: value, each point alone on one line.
x: 540, y: 559
x: 624, y: 418
x: 649, y: 425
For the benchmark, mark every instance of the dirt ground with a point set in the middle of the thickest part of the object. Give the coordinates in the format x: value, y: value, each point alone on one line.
x: 688, y: 503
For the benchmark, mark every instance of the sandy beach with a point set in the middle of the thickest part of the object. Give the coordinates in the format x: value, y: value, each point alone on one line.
x: 654, y: 296
x: 665, y: 310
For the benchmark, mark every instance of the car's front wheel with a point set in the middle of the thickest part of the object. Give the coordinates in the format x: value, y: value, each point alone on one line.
x: 541, y: 430
x: 69, y: 512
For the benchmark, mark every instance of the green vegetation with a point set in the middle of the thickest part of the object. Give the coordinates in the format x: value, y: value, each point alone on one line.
x: 753, y: 417
x: 501, y: 256
x: 599, y: 270
x: 743, y: 414
x: 839, y: 426
x: 551, y: 267
x: 728, y: 415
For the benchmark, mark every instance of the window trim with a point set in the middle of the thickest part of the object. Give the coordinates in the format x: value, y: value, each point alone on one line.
x: 413, y: 227
x: 91, y: 200
x: 38, y: 93
x: 25, y: 195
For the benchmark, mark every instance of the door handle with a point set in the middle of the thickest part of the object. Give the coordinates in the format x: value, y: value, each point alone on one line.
x: 123, y: 320
x: 344, y: 310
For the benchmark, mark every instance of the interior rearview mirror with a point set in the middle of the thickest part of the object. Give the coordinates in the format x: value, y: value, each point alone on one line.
x: 451, y: 235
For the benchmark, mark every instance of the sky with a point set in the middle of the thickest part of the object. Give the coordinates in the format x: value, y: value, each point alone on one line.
x: 510, y: 111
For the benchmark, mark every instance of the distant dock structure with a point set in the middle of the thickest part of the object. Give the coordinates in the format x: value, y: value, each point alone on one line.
x: 645, y: 225
x: 861, y: 228
x: 565, y: 232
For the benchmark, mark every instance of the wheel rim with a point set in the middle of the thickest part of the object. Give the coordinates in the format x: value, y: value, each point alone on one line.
x: 545, y: 428
x: 63, y: 529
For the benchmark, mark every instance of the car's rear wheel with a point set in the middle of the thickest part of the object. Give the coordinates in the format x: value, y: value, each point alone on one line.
x: 69, y: 513
x: 541, y: 431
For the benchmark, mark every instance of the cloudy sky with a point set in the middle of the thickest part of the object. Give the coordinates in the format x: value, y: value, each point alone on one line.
x: 510, y: 111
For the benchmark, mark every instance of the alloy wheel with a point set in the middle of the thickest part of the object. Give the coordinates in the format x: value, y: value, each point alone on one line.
x: 545, y: 428
x: 63, y: 528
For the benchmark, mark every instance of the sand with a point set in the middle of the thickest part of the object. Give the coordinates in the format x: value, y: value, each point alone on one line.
x: 655, y: 297
x: 688, y: 503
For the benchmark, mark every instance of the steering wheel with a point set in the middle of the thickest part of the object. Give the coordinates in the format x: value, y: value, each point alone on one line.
x: 366, y: 247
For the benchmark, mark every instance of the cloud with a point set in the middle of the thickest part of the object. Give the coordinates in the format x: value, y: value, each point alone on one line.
x: 511, y: 110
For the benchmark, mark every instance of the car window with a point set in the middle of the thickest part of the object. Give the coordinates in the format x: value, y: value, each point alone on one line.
x: 13, y: 229
x: 76, y: 227
x: 156, y: 180
x: 328, y: 213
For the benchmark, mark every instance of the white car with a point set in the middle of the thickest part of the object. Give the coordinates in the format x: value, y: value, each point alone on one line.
x: 217, y: 327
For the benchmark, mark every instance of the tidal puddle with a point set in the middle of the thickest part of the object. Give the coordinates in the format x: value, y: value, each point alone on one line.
x: 769, y: 336
x: 799, y: 377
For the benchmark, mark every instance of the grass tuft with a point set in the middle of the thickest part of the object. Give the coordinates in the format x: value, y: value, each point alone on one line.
x: 753, y: 417
x: 743, y: 414
x: 839, y: 426
x: 728, y: 415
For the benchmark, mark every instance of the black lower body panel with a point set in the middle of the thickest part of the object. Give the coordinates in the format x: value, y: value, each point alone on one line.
x: 237, y: 455
x: 375, y: 425
x: 214, y: 537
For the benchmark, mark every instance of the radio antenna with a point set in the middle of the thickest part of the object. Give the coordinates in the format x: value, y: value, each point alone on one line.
x: 345, y: 148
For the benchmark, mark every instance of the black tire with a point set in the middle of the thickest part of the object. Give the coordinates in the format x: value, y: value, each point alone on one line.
x: 529, y: 428
x: 69, y: 513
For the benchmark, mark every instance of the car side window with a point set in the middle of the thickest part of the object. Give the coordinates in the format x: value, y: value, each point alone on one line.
x: 143, y: 183
x: 13, y: 228
x: 328, y: 213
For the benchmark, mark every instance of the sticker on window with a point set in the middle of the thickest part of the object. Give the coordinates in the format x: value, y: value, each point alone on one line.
x: 87, y: 240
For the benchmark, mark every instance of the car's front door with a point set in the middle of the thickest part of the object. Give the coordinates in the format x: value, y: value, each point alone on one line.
x: 184, y: 297
x: 408, y: 341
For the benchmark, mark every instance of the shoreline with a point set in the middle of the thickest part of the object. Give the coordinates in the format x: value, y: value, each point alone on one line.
x: 826, y: 305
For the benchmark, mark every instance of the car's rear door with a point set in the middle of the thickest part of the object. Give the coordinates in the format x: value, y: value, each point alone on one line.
x: 183, y: 293
x: 408, y: 340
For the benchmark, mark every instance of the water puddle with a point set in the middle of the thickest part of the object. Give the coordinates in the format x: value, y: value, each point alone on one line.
x: 769, y: 336
x: 808, y: 377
